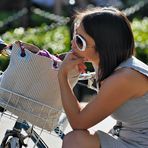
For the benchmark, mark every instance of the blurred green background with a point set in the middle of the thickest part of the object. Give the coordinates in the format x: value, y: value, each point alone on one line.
x: 44, y: 28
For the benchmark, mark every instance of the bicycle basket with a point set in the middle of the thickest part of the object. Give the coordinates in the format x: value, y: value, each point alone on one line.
x: 29, y: 88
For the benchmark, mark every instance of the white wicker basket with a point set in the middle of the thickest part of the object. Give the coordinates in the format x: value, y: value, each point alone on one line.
x: 29, y: 88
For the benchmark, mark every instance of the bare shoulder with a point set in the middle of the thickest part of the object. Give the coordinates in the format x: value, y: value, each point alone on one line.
x: 128, y: 79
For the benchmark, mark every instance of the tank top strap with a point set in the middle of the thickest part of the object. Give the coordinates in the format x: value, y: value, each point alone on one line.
x: 136, y: 64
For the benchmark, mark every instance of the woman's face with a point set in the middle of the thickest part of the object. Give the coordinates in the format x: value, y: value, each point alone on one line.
x: 84, y: 46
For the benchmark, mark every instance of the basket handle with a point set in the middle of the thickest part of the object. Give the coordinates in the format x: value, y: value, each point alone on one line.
x: 23, y: 54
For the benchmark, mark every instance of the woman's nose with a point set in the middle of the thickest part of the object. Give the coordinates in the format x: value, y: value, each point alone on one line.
x: 71, y: 41
x: 72, y: 44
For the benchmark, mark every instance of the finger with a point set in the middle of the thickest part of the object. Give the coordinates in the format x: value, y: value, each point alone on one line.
x: 78, y: 61
x: 81, y: 67
x: 71, y: 57
x: 76, y: 55
x: 81, y: 70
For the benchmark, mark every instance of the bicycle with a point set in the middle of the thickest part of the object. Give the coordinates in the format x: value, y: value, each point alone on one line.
x: 16, y: 139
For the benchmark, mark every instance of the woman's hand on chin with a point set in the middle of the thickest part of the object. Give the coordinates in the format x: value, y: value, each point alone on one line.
x: 70, y: 62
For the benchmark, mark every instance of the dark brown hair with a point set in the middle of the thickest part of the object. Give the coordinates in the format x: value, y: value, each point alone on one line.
x: 112, y: 35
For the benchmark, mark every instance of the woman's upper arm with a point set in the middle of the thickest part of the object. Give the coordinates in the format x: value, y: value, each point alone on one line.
x: 114, y: 92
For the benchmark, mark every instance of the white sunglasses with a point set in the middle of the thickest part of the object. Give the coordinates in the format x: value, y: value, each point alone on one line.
x: 80, y: 42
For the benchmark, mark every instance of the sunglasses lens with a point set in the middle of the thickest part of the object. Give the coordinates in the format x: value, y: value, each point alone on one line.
x: 79, y: 42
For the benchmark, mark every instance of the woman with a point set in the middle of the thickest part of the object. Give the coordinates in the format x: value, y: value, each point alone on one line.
x: 103, y: 36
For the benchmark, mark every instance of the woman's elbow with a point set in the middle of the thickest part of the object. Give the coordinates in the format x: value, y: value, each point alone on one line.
x: 78, y: 125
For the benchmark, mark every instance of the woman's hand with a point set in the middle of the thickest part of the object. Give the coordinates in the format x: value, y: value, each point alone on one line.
x: 70, y: 62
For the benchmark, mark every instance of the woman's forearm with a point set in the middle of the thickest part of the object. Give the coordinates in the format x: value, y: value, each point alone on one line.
x: 69, y: 101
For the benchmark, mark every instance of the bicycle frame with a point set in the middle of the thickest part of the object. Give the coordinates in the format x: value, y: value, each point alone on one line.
x: 31, y: 133
x: 16, y: 132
